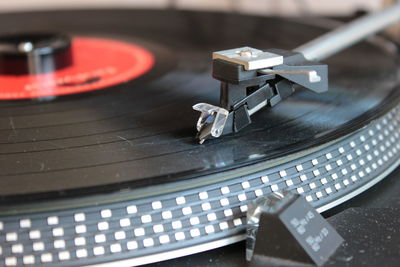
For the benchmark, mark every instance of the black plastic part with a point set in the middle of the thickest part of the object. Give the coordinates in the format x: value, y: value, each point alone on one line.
x: 34, y: 53
x: 231, y: 94
x: 252, y: 88
x: 301, y: 79
x: 263, y: 93
x: 284, y: 88
x: 231, y: 72
x: 229, y: 124
x: 241, y: 118
x: 289, y: 57
x: 296, y: 61
x: 293, y: 230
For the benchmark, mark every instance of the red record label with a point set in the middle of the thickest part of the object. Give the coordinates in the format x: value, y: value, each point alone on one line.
x: 97, y: 64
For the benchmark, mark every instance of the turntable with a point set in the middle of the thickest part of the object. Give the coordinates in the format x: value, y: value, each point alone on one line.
x: 98, y: 156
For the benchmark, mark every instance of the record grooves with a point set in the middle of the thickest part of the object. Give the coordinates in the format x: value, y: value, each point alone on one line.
x: 128, y: 149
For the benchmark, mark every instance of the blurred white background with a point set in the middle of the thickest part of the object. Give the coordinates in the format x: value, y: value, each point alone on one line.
x: 267, y: 7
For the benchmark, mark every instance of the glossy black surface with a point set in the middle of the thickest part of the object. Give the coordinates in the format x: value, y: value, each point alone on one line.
x: 142, y: 132
x: 34, y: 53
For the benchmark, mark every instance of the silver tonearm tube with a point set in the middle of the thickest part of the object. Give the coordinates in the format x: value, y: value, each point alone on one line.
x: 339, y: 39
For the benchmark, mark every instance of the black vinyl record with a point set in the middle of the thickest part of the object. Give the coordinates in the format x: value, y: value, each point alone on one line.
x: 141, y: 132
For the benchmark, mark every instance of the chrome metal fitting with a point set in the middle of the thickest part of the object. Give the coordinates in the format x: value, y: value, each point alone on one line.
x: 250, y: 58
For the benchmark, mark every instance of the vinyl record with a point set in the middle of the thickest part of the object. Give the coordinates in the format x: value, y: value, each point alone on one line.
x: 142, y: 131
